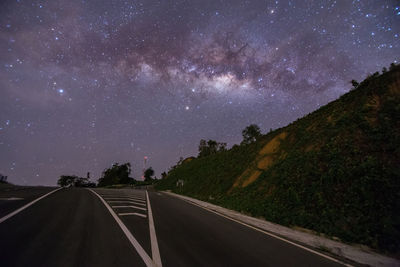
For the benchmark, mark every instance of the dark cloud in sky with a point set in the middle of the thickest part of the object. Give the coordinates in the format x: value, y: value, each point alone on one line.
x: 84, y: 84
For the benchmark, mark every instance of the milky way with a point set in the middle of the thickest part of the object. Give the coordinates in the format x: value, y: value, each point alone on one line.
x: 84, y: 84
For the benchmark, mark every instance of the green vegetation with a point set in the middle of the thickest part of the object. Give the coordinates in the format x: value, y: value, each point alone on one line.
x: 335, y: 171
x: 3, y: 179
x: 117, y: 174
x: 148, y: 174
x: 251, y: 133
x: 207, y: 148
x: 73, y: 180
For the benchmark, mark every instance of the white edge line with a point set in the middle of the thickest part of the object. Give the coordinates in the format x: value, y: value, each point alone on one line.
x: 270, y: 234
x: 155, y: 252
x: 27, y: 205
x: 142, y: 253
x: 132, y: 213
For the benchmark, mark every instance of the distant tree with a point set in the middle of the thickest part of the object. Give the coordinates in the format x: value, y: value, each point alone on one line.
x: 67, y: 180
x: 81, y: 182
x: 384, y: 69
x: 179, y: 161
x: 392, y: 66
x: 117, y: 174
x: 3, y: 178
x: 354, y: 83
x: 203, y: 148
x: 221, y: 147
x: 73, y: 180
x: 235, y: 146
x: 251, y: 133
x: 148, y: 174
x: 163, y: 175
x: 210, y: 147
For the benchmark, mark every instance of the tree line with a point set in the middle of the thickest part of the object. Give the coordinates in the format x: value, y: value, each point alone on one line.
x: 73, y: 180
x: 250, y: 134
x: 209, y: 147
x: 115, y: 175
x: 120, y: 173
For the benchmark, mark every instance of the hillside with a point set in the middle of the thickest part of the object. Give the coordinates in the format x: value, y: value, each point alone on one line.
x: 335, y: 171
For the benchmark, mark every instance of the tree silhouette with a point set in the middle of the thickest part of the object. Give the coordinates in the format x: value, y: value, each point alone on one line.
x: 354, y: 83
x: 148, y: 174
x: 251, y: 133
x: 210, y: 147
x: 203, y: 149
x: 117, y: 174
x: 67, y: 180
x: 3, y: 178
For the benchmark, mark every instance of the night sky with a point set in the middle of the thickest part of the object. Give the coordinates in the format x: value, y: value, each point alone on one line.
x: 84, y: 84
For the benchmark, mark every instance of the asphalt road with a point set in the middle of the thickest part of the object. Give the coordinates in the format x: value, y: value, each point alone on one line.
x: 13, y: 197
x: 110, y: 227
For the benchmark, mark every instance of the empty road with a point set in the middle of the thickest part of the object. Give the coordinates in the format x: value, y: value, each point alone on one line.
x: 126, y: 227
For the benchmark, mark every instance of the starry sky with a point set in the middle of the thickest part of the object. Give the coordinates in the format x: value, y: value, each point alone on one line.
x: 85, y: 84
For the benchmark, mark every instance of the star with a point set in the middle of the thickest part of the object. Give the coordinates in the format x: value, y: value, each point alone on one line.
x: 107, y: 76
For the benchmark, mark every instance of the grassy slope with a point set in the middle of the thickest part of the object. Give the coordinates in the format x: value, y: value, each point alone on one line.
x: 335, y: 171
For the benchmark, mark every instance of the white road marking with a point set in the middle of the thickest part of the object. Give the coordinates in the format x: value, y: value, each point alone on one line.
x: 11, y: 198
x: 127, y: 201
x: 132, y: 213
x: 133, y: 207
x: 146, y: 258
x: 138, y: 198
x: 133, y: 199
x: 155, y: 252
x: 273, y: 235
x: 123, y: 196
x: 27, y: 205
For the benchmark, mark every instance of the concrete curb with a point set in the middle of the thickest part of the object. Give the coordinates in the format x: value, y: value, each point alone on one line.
x: 356, y: 254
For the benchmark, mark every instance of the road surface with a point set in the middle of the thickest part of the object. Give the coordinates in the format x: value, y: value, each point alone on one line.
x: 125, y: 227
